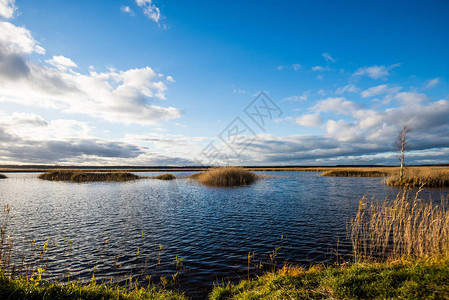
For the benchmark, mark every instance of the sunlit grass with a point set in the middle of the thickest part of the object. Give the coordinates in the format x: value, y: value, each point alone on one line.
x: 403, y: 279
x: 164, y: 177
x: 25, y: 289
x: 225, y: 177
x: 75, y: 176
x: 417, y: 177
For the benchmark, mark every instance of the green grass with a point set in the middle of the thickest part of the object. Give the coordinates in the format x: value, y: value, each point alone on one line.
x: 164, y: 177
x: 76, y: 176
x: 21, y: 289
x: 407, y: 279
x: 3, y: 176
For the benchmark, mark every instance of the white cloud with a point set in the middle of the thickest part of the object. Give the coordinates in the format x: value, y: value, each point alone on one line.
x: 295, y: 67
x: 311, y: 120
x: 170, y: 79
x: 375, y: 91
x: 336, y: 105
x: 327, y: 57
x: 115, y: 96
x: 429, y: 84
x: 375, y: 72
x: 127, y: 9
x: 17, y: 40
x: 62, y: 62
x: 380, y: 90
x: 149, y: 9
x: 321, y: 69
x: 342, y: 131
x: 7, y: 8
x: 410, y: 97
x: 349, y: 88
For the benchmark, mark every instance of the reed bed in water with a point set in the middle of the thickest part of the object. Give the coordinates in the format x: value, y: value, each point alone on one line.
x: 402, y: 226
x: 75, y: 176
x: 426, y: 177
x: 164, y: 177
x: 354, y: 173
x: 225, y: 177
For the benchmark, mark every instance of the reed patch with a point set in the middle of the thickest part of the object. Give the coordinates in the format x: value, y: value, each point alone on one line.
x: 164, y: 177
x: 225, y: 177
x: 404, y: 226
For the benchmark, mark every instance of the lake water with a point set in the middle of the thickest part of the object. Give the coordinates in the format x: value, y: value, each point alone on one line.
x: 118, y: 230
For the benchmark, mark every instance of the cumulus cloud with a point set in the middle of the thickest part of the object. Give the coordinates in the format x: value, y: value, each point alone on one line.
x: 127, y: 10
x: 336, y: 105
x: 62, y: 62
x: 115, y: 96
x: 7, y: 8
x: 375, y: 72
x: 310, y: 120
x: 410, y: 97
x: 149, y: 9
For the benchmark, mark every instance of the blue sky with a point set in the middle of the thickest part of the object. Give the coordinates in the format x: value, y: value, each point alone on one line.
x: 142, y: 82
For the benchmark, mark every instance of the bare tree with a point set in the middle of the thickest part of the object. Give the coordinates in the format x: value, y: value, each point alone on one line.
x: 402, y: 146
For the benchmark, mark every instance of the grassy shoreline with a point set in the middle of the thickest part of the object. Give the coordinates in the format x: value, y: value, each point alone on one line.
x: 406, y: 278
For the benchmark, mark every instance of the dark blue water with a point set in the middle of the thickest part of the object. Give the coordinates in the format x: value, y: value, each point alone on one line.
x: 136, y: 229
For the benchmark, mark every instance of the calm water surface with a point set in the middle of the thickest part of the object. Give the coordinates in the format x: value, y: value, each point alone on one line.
x: 117, y: 230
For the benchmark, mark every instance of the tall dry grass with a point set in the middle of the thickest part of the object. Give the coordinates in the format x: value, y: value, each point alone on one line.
x: 405, y: 225
x: 225, y: 177
x: 167, y: 176
x: 416, y: 177
x: 354, y: 173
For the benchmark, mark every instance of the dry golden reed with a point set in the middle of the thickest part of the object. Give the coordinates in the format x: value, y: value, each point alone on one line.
x: 354, y: 173
x: 164, y: 177
x: 402, y: 226
x: 225, y: 177
x: 426, y: 177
